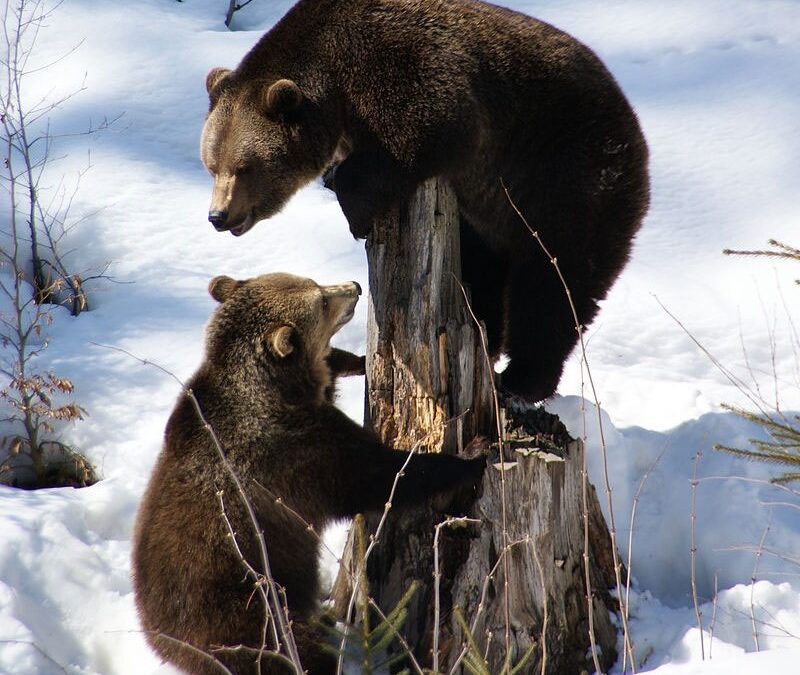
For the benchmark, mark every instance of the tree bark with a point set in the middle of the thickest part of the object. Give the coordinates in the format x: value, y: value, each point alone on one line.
x: 429, y: 387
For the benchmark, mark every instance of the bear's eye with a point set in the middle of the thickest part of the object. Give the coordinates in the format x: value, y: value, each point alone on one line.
x: 324, y: 303
x: 243, y: 169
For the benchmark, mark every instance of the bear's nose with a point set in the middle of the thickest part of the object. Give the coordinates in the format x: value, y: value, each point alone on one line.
x: 218, y: 219
x: 357, y: 285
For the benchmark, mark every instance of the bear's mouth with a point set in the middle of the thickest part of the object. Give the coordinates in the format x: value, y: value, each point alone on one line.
x: 244, y: 226
x: 346, y: 318
x: 348, y: 313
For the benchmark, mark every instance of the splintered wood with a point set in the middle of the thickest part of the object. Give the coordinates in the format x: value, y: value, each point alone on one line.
x: 429, y: 388
x: 424, y: 364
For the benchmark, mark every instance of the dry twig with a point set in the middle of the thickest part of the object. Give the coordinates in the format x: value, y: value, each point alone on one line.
x: 608, y: 488
x: 500, y: 438
x: 373, y: 540
x: 754, y: 577
x: 693, y: 554
x: 275, y: 617
x: 437, y: 575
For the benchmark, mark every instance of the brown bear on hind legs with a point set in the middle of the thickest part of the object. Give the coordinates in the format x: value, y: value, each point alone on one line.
x: 264, y: 388
x: 398, y: 91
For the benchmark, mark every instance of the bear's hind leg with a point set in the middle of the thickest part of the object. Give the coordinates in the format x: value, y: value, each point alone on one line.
x: 485, y: 275
x: 541, y: 331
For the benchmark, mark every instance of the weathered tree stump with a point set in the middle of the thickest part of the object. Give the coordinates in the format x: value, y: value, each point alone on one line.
x: 429, y: 388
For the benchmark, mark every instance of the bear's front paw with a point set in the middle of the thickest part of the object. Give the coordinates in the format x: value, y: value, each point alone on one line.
x: 344, y: 363
x: 478, y: 464
x: 360, y: 220
x: 359, y: 212
x: 460, y: 498
x: 479, y: 446
x: 360, y: 230
x: 329, y: 177
x: 358, y: 366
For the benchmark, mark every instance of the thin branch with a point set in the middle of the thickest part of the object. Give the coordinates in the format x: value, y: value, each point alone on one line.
x: 758, y: 481
x: 735, y: 381
x: 545, y: 605
x: 607, y: 480
x: 500, y: 438
x: 713, y: 617
x: 482, y: 602
x: 374, y: 538
x: 278, y: 501
x: 697, y: 612
x: 233, y: 7
x: 754, y: 577
x: 634, y: 506
x: 437, y: 575
x: 259, y: 586
x: 195, y: 650
x: 406, y: 647
x: 282, y: 625
x: 41, y: 651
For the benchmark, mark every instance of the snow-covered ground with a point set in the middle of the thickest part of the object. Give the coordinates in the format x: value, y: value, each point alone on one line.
x: 717, y: 88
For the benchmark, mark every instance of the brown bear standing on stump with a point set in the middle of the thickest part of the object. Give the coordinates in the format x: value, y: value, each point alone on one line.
x: 394, y: 92
x: 264, y: 390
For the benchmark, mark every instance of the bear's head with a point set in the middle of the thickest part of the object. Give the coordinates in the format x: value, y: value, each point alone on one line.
x: 262, y: 141
x: 278, y: 327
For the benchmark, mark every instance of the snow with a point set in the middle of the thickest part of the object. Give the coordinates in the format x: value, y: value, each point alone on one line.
x: 668, y: 640
x: 717, y: 88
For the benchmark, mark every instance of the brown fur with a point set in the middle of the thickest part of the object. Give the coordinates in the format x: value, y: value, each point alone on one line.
x: 402, y: 90
x: 264, y: 388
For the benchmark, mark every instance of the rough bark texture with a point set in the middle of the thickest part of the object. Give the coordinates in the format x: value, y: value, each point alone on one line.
x: 545, y: 543
x: 428, y: 387
x: 427, y: 381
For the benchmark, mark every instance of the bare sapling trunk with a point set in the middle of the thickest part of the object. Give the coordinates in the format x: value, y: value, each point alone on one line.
x: 32, y: 401
x: 233, y: 7
x: 521, y: 571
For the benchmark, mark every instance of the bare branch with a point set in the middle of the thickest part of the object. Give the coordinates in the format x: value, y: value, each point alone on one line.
x: 753, y: 578
x: 274, y: 612
x: 437, y: 576
x: 233, y: 7
x: 374, y: 539
x: 607, y: 480
x: 41, y: 651
x: 500, y: 437
x: 693, y: 552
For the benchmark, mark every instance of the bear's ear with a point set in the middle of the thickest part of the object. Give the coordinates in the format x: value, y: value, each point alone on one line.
x: 282, y: 98
x: 280, y: 341
x: 214, y: 77
x: 221, y: 287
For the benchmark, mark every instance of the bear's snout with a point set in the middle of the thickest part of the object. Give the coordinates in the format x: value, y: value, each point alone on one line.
x: 218, y: 219
x: 347, y: 289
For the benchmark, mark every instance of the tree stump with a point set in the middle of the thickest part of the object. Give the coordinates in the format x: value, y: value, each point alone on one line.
x: 429, y: 388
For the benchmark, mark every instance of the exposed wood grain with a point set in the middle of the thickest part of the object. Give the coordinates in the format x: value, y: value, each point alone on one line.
x: 428, y: 387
